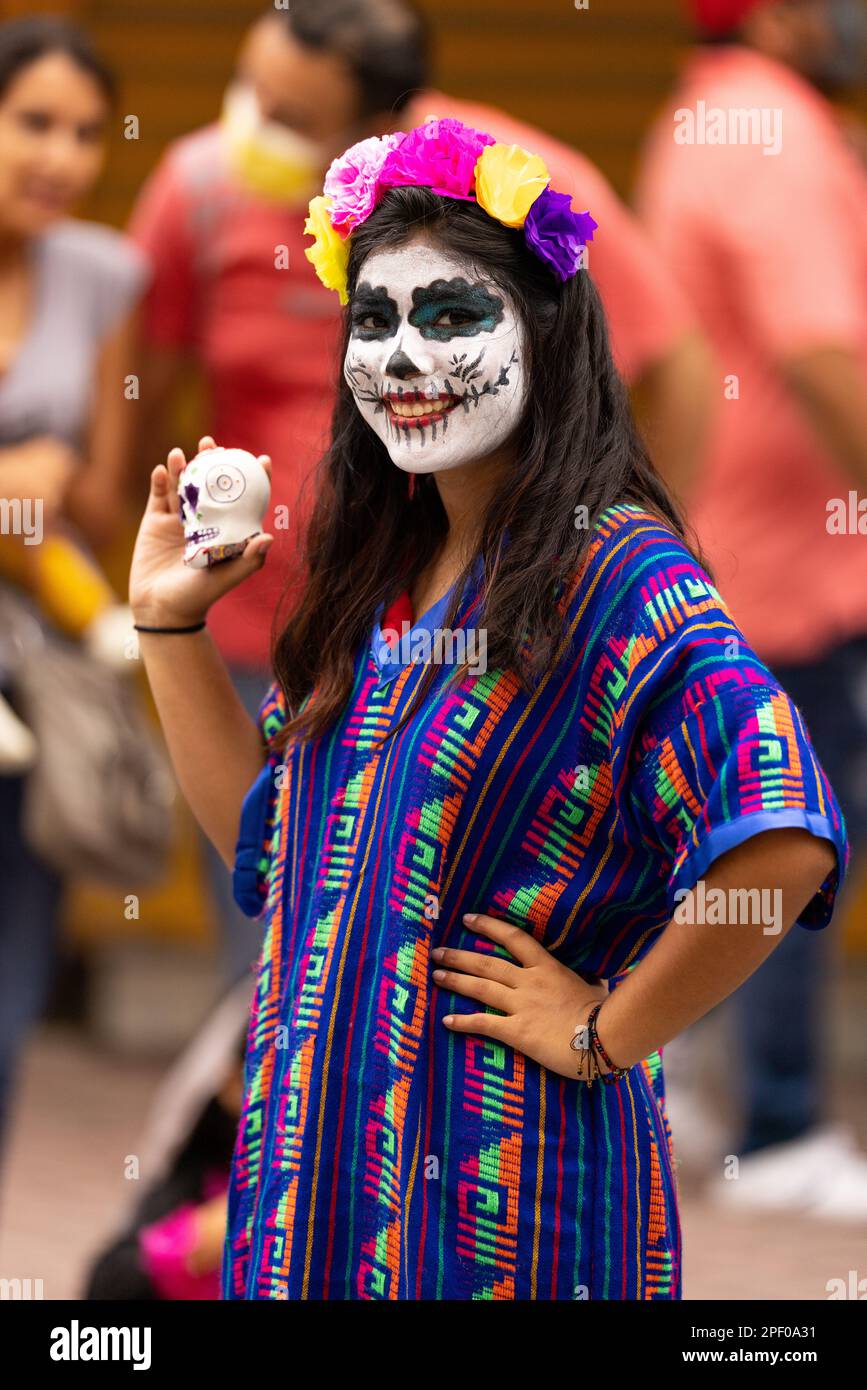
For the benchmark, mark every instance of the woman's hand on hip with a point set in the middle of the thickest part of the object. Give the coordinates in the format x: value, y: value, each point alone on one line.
x: 163, y: 591
x: 542, y: 1002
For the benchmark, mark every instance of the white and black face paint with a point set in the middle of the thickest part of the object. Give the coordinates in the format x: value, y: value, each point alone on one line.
x: 435, y: 358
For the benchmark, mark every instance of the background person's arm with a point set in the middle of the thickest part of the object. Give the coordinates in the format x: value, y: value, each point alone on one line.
x: 34, y: 478
x: 831, y: 387
x: 42, y: 468
x: 673, y: 400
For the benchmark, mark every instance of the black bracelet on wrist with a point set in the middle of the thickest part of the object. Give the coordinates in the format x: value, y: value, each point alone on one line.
x: 194, y: 627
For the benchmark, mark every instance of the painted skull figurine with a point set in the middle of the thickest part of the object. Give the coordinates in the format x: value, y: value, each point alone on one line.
x: 223, y: 495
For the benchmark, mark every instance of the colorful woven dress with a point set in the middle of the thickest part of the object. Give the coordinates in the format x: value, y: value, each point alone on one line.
x: 381, y: 1155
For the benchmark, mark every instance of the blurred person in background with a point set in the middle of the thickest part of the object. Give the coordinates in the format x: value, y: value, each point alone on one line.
x: 67, y: 291
x: 762, y: 216
x: 222, y: 221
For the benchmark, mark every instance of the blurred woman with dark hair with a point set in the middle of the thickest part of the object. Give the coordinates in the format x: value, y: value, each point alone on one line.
x: 66, y: 292
x: 514, y: 744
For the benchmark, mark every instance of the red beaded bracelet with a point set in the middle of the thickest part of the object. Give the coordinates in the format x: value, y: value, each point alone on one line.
x: 614, y: 1072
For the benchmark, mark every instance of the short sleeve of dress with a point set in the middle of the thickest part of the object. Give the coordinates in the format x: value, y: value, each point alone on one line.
x: 707, y: 749
x: 255, y: 848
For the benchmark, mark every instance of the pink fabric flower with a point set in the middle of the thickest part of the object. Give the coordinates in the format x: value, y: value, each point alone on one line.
x: 440, y: 155
x: 352, y: 180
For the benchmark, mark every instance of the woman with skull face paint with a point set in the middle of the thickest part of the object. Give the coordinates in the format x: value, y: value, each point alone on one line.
x: 464, y: 866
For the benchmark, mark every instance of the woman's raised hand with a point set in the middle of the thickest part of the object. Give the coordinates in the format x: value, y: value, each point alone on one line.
x: 163, y: 591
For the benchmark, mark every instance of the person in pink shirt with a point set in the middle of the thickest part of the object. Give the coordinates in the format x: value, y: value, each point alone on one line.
x: 758, y: 202
x: 222, y: 222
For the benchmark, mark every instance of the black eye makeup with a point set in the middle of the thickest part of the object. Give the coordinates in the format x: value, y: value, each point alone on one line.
x: 373, y: 314
x: 448, y: 309
x: 442, y: 310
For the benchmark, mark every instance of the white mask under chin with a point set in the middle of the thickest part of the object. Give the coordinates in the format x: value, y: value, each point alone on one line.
x: 435, y: 360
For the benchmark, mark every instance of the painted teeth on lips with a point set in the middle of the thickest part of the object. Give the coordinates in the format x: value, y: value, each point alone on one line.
x: 417, y: 407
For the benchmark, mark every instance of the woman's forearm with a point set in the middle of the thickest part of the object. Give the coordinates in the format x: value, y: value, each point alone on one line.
x: 215, y: 746
x: 37, y: 471
x: 695, y: 964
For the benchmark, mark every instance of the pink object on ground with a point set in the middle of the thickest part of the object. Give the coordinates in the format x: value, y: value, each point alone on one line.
x: 166, y: 1244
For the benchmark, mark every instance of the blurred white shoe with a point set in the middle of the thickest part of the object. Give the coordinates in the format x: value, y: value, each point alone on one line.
x: 822, y: 1174
x: 17, y: 744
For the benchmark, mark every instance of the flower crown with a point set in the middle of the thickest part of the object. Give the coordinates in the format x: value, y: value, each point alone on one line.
x: 455, y: 161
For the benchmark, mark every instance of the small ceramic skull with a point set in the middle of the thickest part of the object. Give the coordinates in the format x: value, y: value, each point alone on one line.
x: 223, y: 495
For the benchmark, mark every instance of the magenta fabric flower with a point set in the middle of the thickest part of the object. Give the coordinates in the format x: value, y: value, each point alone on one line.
x: 352, y: 181
x: 440, y: 155
x: 556, y: 233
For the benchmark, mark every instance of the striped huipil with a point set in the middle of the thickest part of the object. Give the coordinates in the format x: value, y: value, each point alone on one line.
x: 381, y: 1155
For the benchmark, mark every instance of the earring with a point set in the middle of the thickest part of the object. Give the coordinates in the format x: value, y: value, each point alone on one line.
x: 411, y: 486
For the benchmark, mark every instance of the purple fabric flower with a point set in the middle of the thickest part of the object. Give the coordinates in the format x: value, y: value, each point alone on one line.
x: 352, y: 180
x: 440, y: 155
x: 556, y: 233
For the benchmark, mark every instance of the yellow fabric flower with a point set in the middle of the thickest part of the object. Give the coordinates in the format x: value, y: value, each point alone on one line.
x: 329, y: 254
x: 508, y: 181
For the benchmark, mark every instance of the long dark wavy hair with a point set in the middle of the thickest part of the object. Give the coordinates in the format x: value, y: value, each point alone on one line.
x: 576, y: 445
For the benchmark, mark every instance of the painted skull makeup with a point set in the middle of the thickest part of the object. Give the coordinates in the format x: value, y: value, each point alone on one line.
x: 222, y: 498
x: 435, y: 358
